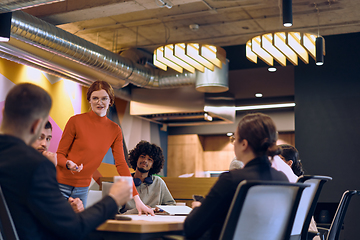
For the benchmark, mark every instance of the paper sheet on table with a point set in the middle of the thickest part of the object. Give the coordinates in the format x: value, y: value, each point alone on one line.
x: 156, y: 218
x: 175, y: 210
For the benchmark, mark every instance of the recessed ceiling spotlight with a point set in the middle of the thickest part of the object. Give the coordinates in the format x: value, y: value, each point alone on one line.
x: 164, y: 3
x: 194, y: 27
x: 207, y: 117
x: 229, y: 134
x: 272, y: 69
x: 258, y: 95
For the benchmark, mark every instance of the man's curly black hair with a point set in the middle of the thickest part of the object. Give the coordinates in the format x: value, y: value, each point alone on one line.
x: 146, y: 148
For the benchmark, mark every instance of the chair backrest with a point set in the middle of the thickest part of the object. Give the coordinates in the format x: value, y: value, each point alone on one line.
x: 339, y: 216
x: 262, y: 210
x: 307, y: 205
x: 7, y: 227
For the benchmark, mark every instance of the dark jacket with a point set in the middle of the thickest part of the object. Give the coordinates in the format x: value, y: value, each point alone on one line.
x: 209, y: 218
x: 39, y: 210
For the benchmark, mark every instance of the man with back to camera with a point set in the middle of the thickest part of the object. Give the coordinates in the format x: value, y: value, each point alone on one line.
x: 28, y: 179
x: 42, y: 144
x: 148, y: 159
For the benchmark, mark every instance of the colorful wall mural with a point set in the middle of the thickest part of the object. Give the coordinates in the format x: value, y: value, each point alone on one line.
x: 69, y: 98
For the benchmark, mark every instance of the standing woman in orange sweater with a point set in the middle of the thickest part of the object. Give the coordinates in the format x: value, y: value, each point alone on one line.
x: 86, y: 139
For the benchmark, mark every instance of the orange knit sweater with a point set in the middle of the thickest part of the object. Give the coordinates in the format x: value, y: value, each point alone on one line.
x: 86, y: 139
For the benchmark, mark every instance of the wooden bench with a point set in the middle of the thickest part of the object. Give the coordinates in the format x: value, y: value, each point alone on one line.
x: 182, y: 189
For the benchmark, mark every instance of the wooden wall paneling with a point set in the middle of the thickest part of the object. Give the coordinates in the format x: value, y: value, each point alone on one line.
x: 218, y: 153
x: 195, y: 154
x: 184, y: 155
x: 199, y: 160
x: 183, y: 139
x: 180, y: 160
x: 287, y: 137
x: 217, y: 161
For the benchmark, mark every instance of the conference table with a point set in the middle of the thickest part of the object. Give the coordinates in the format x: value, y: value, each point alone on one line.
x: 142, y: 227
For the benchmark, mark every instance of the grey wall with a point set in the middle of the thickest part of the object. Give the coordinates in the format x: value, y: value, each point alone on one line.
x: 284, y: 120
x: 327, y: 118
x: 159, y: 138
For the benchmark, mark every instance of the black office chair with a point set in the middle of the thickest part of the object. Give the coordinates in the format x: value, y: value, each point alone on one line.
x: 7, y: 227
x: 307, y: 205
x: 333, y: 233
x: 262, y: 210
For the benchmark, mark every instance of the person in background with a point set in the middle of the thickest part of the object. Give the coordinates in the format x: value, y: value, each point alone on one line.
x: 254, y: 142
x: 86, y: 139
x: 28, y: 179
x: 290, y: 156
x: 147, y: 159
x: 283, y: 162
x: 280, y: 165
x: 42, y: 144
x: 236, y: 164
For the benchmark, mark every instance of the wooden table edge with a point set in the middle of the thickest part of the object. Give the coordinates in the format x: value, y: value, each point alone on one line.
x: 140, y: 226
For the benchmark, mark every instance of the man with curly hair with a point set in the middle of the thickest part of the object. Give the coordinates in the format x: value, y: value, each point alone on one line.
x: 147, y: 159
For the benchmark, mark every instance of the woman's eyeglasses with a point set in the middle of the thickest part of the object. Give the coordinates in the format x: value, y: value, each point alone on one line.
x: 96, y: 99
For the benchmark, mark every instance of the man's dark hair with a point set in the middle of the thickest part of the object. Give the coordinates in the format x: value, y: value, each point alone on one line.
x: 48, y: 125
x: 25, y: 103
x: 146, y: 148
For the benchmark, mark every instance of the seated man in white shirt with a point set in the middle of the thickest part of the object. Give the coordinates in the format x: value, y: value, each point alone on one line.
x: 147, y: 159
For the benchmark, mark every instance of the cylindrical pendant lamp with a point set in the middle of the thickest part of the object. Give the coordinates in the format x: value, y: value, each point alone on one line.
x: 5, y: 26
x: 319, y: 43
x: 287, y: 13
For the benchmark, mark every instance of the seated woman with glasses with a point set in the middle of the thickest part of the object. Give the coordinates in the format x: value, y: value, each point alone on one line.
x: 255, y: 141
x: 86, y: 139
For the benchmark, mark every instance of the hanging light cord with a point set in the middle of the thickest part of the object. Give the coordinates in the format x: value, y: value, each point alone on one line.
x: 280, y: 14
x: 318, y: 17
x: 167, y: 32
x: 137, y: 33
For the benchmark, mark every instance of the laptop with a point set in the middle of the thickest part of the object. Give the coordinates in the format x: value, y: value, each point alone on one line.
x: 106, y: 188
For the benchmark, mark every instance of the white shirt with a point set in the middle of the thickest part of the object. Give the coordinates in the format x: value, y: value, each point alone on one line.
x: 281, y: 166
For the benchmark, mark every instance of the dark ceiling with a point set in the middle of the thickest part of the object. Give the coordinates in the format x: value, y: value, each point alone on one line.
x: 145, y: 24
